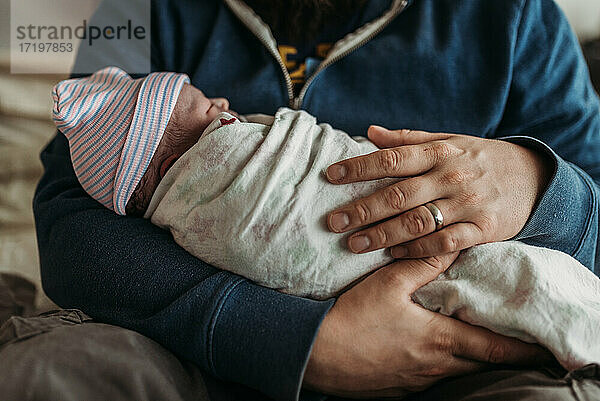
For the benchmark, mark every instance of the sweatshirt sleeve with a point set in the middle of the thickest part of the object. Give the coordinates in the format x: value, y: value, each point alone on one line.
x: 127, y: 272
x: 553, y: 108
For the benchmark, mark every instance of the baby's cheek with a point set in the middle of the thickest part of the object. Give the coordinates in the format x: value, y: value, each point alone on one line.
x: 213, y: 112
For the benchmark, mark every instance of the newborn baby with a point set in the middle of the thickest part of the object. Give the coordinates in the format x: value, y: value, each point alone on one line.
x: 249, y: 195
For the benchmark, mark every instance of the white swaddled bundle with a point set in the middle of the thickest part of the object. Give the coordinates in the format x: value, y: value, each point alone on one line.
x: 252, y: 198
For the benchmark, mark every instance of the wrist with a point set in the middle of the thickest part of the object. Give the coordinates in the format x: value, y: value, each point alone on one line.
x: 316, y: 368
x: 325, y: 365
x: 541, y: 166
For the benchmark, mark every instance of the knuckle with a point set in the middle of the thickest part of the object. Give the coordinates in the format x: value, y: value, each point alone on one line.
x: 456, y: 177
x: 395, y: 198
x: 390, y: 160
x: 449, y: 243
x: 435, y: 262
x: 496, y: 352
x: 381, y: 235
x: 362, y: 212
x: 417, y: 249
x: 470, y: 198
x: 444, y: 341
x: 487, y: 224
x: 360, y: 167
x: 441, y: 151
x: 415, y: 224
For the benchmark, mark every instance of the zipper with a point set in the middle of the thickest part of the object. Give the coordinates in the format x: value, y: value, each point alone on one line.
x: 239, y: 8
x: 261, y: 31
x: 288, y: 79
x: 297, y: 102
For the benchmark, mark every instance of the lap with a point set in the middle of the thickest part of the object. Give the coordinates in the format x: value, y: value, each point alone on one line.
x: 66, y: 356
x: 518, y: 385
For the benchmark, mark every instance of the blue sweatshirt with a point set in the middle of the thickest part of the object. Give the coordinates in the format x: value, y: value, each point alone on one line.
x: 507, y: 69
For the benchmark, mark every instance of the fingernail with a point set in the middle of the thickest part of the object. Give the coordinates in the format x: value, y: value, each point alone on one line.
x: 399, y: 252
x: 336, y: 172
x: 339, y: 221
x: 359, y: 243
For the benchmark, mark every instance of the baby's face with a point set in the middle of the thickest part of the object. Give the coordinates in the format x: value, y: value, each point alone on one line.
x: 192, y: 115
x: 214, y: 106
x: 207, y: 109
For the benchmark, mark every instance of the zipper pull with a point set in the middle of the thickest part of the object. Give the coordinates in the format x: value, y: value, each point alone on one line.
x: 296, y: 103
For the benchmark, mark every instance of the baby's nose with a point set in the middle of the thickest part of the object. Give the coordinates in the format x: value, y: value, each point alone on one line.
x: 221, y: 103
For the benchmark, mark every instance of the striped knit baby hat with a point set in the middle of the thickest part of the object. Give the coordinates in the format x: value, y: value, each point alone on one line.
x: 114, y: 124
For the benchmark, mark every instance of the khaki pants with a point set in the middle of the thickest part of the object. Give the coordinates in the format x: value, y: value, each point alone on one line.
x: 64, y: 356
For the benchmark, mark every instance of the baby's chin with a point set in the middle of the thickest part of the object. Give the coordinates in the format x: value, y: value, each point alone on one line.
x: 210, y: 117
x: 233, y: 113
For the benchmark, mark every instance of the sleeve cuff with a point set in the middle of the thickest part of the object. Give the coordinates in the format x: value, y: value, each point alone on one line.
x: 263, y: 339
x: 561, y: 219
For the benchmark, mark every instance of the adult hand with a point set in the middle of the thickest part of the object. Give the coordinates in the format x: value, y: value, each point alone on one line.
x: 376, y: 342
x: 485, y: 189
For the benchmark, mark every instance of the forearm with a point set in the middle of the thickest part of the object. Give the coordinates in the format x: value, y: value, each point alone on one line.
x: 566, y: 215
x: 126, y: 271
x: 552, y: 100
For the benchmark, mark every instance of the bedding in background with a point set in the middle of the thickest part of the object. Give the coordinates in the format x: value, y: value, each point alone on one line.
x: 25, y: 127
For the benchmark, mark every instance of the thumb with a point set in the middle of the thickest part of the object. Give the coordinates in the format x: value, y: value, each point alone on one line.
x: 385, y: 138
x: 415, y: 273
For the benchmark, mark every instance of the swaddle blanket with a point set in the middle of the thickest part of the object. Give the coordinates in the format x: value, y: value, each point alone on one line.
x: 252, y: 198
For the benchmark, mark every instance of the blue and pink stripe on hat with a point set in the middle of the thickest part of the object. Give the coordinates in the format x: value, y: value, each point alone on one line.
x: 114, y: 124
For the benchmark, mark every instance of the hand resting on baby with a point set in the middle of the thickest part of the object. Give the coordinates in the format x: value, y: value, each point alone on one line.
x: 251, y: 197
